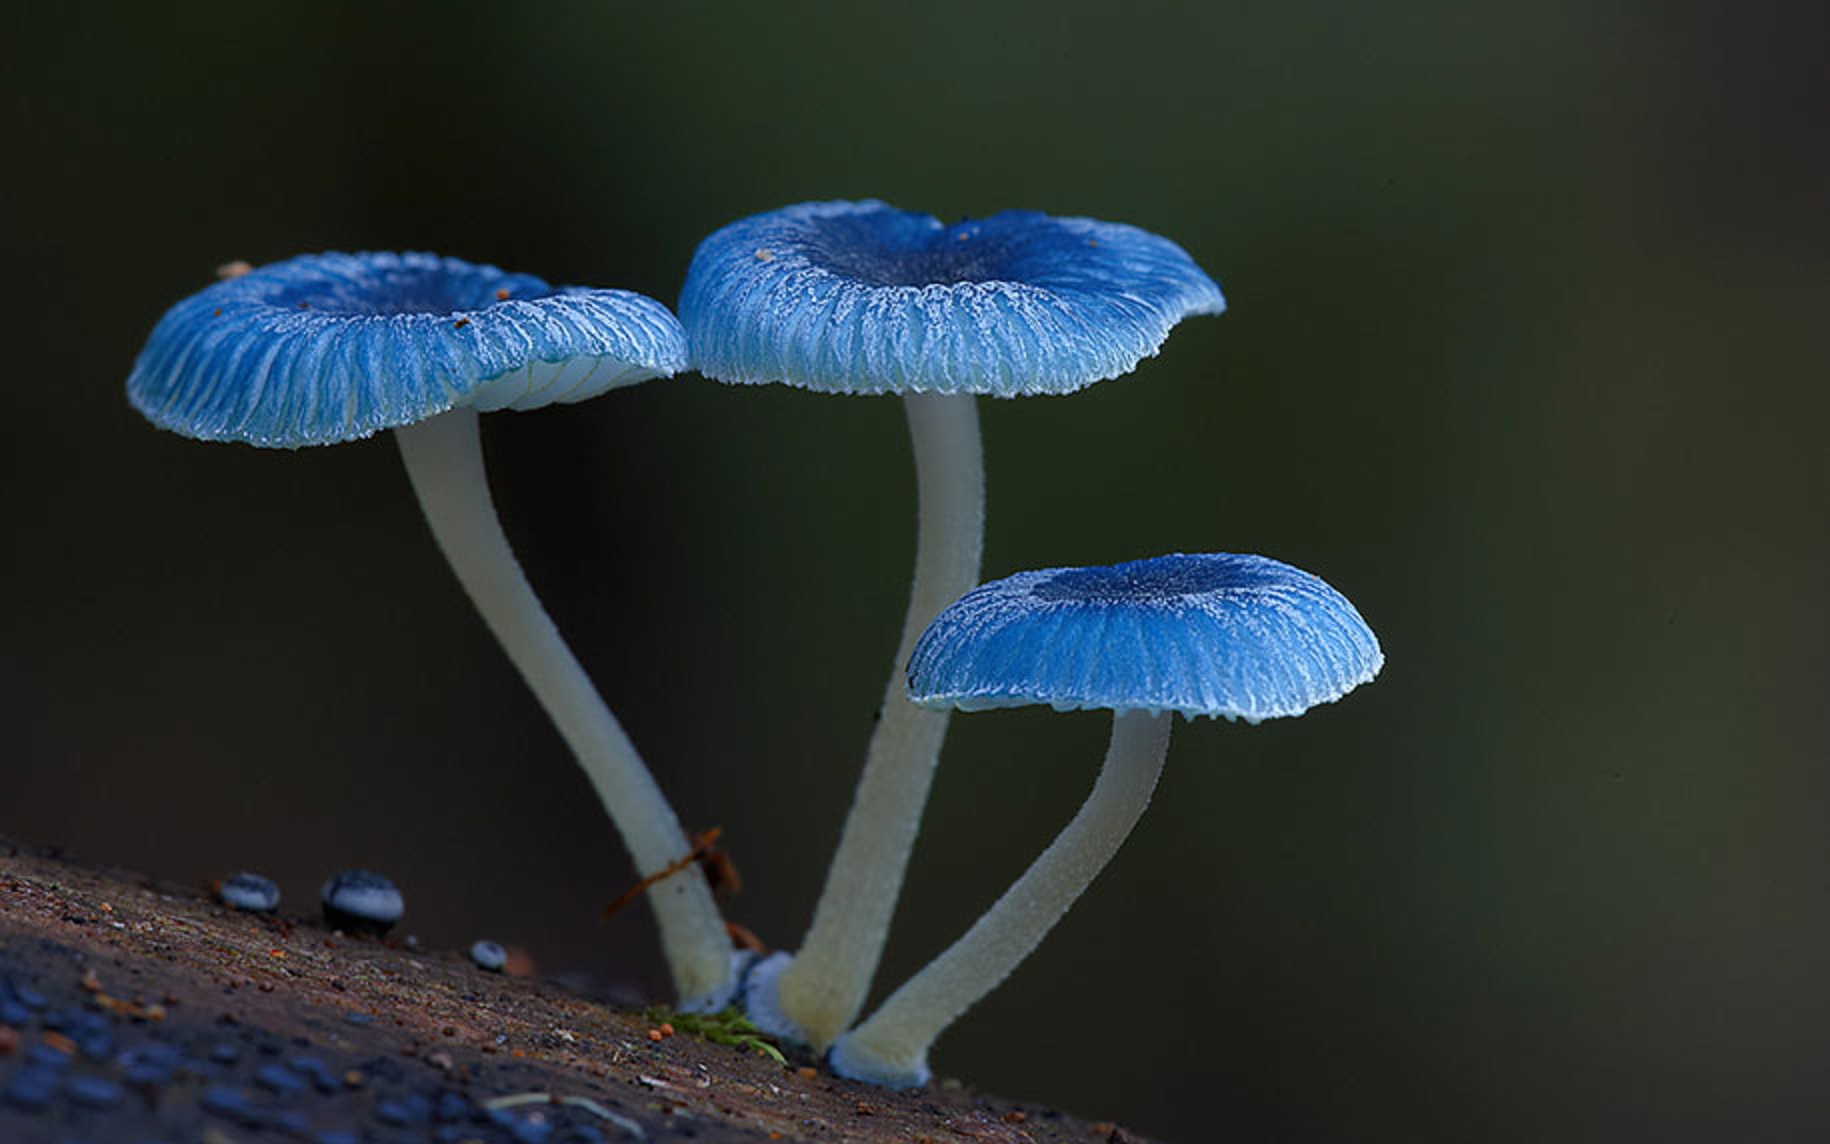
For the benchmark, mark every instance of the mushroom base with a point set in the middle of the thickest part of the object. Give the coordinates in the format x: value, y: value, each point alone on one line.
x: 762, y: 1000
x: 891, y: 1046
x: 726, y: 993
x: 880, y: 1065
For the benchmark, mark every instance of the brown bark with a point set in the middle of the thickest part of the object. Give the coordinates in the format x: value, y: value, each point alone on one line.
x: 158, y: 962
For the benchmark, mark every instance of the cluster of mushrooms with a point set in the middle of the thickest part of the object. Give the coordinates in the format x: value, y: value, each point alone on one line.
x: 842, y: 297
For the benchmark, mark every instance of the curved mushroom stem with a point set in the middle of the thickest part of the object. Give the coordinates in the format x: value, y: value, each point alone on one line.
x: 814, y: 994
x: 891, y: 1048
x: 444, y: 459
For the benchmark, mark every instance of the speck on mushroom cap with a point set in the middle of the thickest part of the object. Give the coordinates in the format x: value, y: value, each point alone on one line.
x: 1244, y: 637
x: 864, y: 298
x: 331, y: 347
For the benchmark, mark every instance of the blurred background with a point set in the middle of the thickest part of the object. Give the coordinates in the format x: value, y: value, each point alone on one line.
x: 1526, y: 355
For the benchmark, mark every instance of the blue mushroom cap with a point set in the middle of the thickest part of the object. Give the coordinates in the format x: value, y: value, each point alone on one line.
x: 1243, y: 637
x: 362, y: 895
x: 246, y: 891
x: 331, y: 347
x: 864, y: 298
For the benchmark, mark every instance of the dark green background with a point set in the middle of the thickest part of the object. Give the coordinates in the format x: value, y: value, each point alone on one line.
x: 1526, y: 355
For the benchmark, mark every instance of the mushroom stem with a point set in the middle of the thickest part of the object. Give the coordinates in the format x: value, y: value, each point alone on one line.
x: 444, y: 458
x: 891, y: 1047
x: 814, y: 994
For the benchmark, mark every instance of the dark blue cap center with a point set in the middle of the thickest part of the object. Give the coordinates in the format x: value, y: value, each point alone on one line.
x: 901, y: 248
x: 1165, y: 579
x: 403, y: 289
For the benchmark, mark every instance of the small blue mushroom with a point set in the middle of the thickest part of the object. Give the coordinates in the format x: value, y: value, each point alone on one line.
x: 325, y: 348
x: 860, y: 297
x: 1239, y: 637
x: 488, y: 955
x: 251, y: 892
x: 1221, y: 635
x: 361, y: 900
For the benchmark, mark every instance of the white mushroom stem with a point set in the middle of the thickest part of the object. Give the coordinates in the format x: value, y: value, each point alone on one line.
x: 814, y: 994
x: 444, y: 458
x: 891, y: 1048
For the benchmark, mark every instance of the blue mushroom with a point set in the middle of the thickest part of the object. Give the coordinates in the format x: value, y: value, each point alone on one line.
x: 252, y: 892
x: 1239, y: 637
x: 1221, y: 635
x: 325, y: 348
x: 863, y: 298
x: 859, y: 297
x: 333, y: 347
x: 488, y: 955
x: 361, y: 900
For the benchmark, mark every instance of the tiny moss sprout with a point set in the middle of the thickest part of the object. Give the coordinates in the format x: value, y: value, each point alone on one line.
x: 725, y: 1027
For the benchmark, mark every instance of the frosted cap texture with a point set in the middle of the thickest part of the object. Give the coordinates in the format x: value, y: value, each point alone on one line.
x: 331, y: 347
x: 1244, y: 637
x: 864, y: 298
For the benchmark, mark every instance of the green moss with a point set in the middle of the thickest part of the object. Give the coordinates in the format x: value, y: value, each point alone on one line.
x: 728, y: 1027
